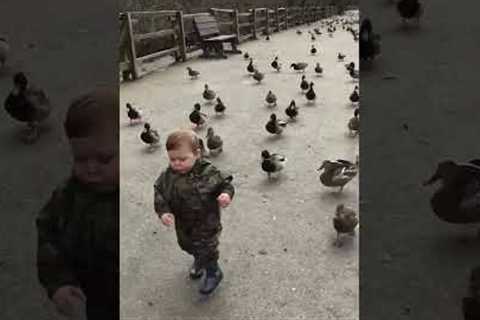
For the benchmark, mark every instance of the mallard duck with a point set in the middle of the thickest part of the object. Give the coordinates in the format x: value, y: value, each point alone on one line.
x: 271, y: 99
x: 354, y: 123
x: 344, y: 221
x: 193, y: 73
x: 410, y: 9
x: 258, y: 76
x: 355, y: 96
x: 471, y: 304
x: 299, y: 32
x: 272, y: 163
x: 458, y: 199
x: 196, y: 117
x: 149, y: 135
x: 29, y: 104
x: 250, y: 67
x: 246, y: 56
x: 310, y: 95
x: 317, y: 31
x: 275, y: 126
x: 318, y: 69
x: 299, y: 66
x: 369, y: 41
x: 304, y: 85
x: 220, y: 107
x: 354, y: 74
x: 208, y: 94
x: 267, y: 37
x: 214, y: 142
x: 340, y: 56
x: 276, y: 65
x: 313, y: 50
x: 292, y: 110
x: 133, y: 114
x: 4, y: 50
x: 337, y: 173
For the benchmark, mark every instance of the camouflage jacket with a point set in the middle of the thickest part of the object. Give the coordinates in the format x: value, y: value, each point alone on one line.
x: 192, y: 197
x: 78, y: 241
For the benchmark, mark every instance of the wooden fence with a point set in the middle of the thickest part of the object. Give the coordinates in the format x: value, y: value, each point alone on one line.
x: 148, y: 35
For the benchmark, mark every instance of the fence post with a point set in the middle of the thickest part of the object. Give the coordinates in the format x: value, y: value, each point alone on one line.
x: 181, y: 36
x: 277, y: 18
x: 132, y: 52
x: 287, y: 25
x: 236, y: 24
x: 254, y: 22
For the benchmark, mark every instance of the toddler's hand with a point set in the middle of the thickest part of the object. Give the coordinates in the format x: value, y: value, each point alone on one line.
x: 67, y: 299
x: 224, y: 200
x: 167, y: 219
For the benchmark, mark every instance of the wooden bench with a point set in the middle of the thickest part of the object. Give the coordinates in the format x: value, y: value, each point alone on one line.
x: 206, y: 27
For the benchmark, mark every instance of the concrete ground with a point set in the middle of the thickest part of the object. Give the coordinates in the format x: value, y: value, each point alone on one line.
x: 277, y: 247
x: 413, y: 265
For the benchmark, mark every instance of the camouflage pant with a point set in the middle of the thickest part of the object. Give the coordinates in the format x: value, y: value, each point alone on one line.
x: 203, y: 246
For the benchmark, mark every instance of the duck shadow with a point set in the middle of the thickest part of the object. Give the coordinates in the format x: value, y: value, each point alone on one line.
x: 132, y: 124
x: 274, y: 137
x: 151, y: 149
x: 273, y: 181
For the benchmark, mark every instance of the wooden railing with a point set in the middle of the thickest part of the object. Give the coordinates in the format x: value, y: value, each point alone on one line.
x: 148, y: 35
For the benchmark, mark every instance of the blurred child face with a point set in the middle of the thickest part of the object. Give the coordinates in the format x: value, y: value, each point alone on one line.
x: 183, y: 158
x: 95, y: 161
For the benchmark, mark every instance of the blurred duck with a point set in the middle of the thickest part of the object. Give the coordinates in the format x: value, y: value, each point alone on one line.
x: 337, y: 173
x: 272, y: 163
x: 275, y: 126
x: 345, y: 221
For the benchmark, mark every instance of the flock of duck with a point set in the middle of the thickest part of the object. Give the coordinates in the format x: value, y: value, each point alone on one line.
x: 333, y: 173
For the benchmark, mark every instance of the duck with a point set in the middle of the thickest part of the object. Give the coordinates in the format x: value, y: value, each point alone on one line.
x: 410, y: 9
x: 345, y: 221
x: 193, y: 73
x: 196, y: 117
x: 311, y: 95
x: 318, y: 69
x: 208, y: 94
x: 150, y: 136
x: 340, y: 56
x: 457, y: 200
x: 246, y: 56
x: 204, y: 153
x: 272, y: 163
x: 312, y: 37
x: 29, y: 104
x: 276, y: 65
x: 369, y: 41
x: 299, y: 32
x: 471, y: 303
x: 4, y: 50
x: 313, y: 50
x: 337, y: 173
x: 354, y: 73
x: 299, y: 66
x: 304, y: 85
x: 354, y: 96
x: 220, y: 107
x: 292, y: 110
x: 267, y: 37
x: 258, y: 76
x: 317, y: 31
x: 214, y: 142
x: 354, y: 122
x: 271, y: 99
x: 250, y: 67
x: 133, y: 114
x: 275, y: 126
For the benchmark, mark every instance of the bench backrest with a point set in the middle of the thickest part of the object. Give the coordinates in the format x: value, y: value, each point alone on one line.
x: 206, y: 26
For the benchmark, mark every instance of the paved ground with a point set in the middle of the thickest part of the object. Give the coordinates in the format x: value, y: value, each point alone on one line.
x: 65, y: 48
x: 412, y: 264
x: 302, y: 276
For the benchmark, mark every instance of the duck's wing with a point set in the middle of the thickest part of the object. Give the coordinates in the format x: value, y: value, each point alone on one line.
x: 278, y: 157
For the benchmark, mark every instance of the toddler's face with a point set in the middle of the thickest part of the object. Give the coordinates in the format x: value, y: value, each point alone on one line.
x: 95, y: 161
x: 183, y: 158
